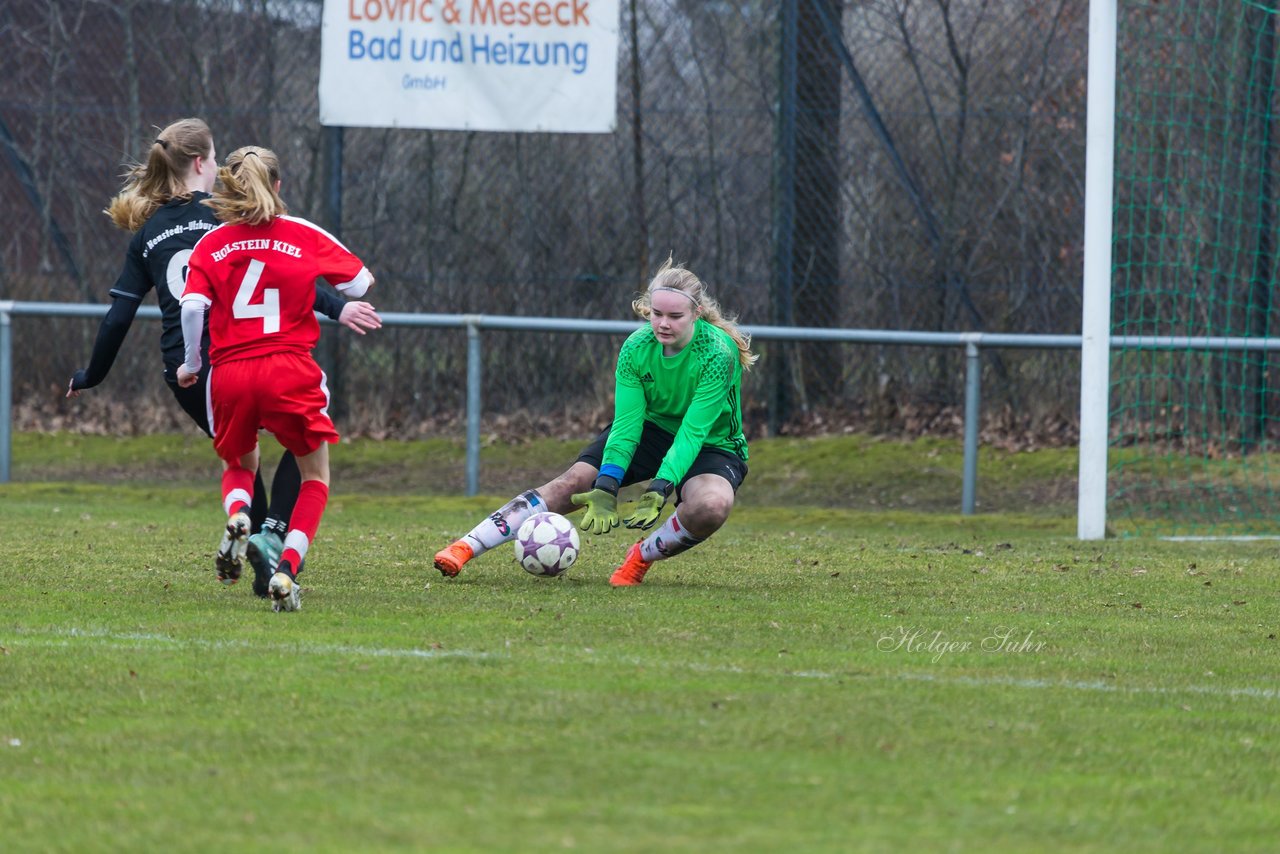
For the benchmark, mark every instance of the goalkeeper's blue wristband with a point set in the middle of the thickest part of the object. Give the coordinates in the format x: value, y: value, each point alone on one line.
x: 613, y: 471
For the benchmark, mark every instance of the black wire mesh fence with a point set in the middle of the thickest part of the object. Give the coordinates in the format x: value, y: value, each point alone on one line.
x: 902, y: 164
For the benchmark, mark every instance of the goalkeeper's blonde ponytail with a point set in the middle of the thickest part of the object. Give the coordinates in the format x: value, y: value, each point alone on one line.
x: 675, y: 277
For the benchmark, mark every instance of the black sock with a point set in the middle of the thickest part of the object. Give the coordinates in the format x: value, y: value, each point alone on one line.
x: 284, y: 494
x: 258, y: 508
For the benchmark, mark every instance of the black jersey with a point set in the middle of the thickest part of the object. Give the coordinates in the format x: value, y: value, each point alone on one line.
x: 158, y: 257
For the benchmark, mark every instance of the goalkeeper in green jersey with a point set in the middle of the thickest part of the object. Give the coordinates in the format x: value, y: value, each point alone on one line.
x: 677, y: 423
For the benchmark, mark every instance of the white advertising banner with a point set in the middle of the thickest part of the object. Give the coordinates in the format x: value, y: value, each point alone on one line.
x: 491, y: 65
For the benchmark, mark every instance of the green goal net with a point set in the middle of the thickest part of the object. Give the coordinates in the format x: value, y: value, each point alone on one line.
x: 1194, y: 397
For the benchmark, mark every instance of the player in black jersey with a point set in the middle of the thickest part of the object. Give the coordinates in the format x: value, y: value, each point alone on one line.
x: 161, y: 202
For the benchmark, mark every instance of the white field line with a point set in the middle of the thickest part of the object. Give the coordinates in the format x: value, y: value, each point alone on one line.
x: 68, y: 637
x: 1226, y: 538
x: 983, y: 681
x: 991, y: 681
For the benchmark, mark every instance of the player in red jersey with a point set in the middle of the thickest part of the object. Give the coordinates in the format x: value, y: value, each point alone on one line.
x: 254, y: 275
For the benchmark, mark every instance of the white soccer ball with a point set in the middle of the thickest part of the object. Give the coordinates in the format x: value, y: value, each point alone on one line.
x: 546, y: 544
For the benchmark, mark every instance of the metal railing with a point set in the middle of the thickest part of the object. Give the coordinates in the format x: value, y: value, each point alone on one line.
x: 474, y: 324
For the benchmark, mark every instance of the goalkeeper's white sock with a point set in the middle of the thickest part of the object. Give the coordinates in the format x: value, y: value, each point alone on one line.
x: 501, y: 526
x: 668, y: 541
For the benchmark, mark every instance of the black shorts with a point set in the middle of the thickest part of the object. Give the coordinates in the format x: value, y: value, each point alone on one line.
x: 653, y: 446
x: 192, y: 400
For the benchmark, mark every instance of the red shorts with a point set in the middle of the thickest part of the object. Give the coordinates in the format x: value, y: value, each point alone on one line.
x: 284, y: 393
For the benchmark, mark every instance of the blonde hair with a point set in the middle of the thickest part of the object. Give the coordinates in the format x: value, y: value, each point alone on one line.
x: 675, y: 277
x: 163, y: 177
x: 248, y: 187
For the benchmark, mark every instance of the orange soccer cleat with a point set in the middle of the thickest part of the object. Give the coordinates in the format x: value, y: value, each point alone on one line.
x: 451, y: 559
x: 632, y: 570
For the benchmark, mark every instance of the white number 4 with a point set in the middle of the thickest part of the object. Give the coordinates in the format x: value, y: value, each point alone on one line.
x: 268, y: 309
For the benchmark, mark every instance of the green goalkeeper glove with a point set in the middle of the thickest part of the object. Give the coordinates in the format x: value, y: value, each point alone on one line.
x: 601, y: 515
x: 650, y: 505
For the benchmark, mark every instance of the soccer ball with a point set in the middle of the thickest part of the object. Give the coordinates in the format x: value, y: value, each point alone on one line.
x: 547, y: 544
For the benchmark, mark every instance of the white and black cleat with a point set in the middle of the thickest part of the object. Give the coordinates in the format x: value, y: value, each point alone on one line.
x: 285, y: 591
x: 231, y: 551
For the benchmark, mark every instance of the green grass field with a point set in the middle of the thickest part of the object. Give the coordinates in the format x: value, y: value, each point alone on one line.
x: 813, y: 678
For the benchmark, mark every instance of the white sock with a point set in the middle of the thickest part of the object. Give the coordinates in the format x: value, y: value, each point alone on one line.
x: 668, y: 541
x: 297, y: 541
x: 501, y: 526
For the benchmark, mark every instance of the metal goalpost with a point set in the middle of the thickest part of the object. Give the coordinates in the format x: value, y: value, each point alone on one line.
x: 1095, y: 327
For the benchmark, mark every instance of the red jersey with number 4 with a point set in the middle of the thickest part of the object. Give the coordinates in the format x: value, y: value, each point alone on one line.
x: 259, y: 284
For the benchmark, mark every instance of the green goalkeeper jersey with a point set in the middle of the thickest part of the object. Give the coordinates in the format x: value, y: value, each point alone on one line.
x: 696, y: 395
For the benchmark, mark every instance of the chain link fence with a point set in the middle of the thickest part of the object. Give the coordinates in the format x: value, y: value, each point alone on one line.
x: 897, y: 164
